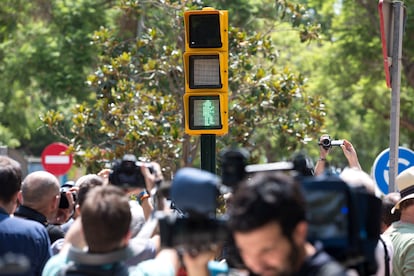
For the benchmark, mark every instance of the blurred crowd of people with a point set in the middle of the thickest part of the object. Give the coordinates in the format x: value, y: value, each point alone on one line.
x: 118, y: 222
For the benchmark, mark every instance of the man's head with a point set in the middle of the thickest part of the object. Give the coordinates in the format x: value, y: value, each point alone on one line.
x: 106, y: 218
x: 10, y: 182
x: 357, y: 178
x: 388, y: 202
x: 86, y: 183
x: 267, y: 219
x: 41, y: 192
x: 405, y: 184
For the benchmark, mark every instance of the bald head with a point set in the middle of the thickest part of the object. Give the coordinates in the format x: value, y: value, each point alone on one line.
x: 356, y: 177
x: 38, y: 188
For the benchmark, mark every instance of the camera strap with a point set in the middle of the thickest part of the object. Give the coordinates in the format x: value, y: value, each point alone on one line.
x: 386, y: 257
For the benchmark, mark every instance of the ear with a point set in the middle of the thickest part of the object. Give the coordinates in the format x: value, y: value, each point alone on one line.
x: 20, y: 197
x: 14, y: 203
x: 300, y: 233
x: 55, y: 202
x: 126, y: 239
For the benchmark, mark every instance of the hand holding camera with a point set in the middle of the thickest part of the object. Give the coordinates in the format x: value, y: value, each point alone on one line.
x: 130, y: 173
x: 67, y: 202
x: 326, y: 143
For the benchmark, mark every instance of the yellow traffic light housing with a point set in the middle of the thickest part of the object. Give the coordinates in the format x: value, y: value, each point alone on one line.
x: 206, y: 29
x: 206, y: 72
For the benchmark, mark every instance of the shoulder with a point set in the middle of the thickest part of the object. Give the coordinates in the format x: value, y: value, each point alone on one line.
x: 401, y: 234
x: 141, y: 250
x: 322, y: 264
x: 55, y: 264
x: 55, y: 232
x: 152, y: 267
x: 26, y: 227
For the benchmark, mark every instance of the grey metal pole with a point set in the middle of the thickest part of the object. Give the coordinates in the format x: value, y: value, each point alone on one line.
x: 398, y: 14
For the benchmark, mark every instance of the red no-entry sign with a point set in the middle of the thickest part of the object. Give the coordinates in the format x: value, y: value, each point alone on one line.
x: 55, y: 160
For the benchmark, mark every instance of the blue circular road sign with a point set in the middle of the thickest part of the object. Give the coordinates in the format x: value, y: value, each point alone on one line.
x: 382, y: 166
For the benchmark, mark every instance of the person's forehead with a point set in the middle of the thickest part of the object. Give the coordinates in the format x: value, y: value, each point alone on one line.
x: 260, y: 238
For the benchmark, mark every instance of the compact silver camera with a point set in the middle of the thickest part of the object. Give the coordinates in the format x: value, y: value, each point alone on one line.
x: 328, y: 143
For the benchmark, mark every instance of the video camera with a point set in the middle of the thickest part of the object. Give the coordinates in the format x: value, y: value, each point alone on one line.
x: 126, y: 173
x: 328, y: 143
x: 345, y: 219
x: 193, y: 227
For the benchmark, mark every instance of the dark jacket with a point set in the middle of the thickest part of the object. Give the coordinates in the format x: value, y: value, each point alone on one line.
x: 321, y: 264
x: 54, y: 231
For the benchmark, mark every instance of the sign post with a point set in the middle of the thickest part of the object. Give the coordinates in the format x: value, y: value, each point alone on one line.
x: 391, y: 24
x: 55, y: 159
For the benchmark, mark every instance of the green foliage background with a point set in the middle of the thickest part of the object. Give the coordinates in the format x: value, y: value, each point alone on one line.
x: 106, y: 77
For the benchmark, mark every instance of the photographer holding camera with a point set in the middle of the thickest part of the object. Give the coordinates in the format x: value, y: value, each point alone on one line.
x: 192, y: 236
x: 325, y: 145
x: 138, y: 179
x: 39, y: 197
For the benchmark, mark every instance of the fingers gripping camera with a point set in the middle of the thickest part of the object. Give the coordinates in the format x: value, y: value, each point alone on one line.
x: 64, y: 203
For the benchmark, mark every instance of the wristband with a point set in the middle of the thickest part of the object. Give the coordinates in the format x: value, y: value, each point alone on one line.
x: 322, y: 159
x: 142, y: 196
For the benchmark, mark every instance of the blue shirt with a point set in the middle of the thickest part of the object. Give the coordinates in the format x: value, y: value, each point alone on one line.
x: 29, y: 238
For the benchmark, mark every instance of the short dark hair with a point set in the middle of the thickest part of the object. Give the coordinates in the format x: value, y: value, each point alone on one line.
x: 10, y: 178
x: 267, y: 197
x: 388, y: 202
x: 86, y: 183
x: 106, y: 217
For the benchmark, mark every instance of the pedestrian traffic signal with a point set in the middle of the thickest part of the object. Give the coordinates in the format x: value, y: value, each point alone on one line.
x: 206, y: 113
x: 206, y: 72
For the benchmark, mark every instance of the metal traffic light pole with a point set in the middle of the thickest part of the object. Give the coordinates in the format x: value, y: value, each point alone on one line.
x: 208, y: 152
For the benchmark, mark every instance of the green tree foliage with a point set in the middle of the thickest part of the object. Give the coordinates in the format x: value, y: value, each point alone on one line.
x: 139, y: 84
x: 348, y: 73
x: 45, y: 55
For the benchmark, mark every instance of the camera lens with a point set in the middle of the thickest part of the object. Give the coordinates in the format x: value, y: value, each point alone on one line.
x: 326, y: 142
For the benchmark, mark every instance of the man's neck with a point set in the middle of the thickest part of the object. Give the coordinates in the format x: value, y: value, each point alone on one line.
x: 8, y: 208
x: 407, y: 218
x: 407, y: 214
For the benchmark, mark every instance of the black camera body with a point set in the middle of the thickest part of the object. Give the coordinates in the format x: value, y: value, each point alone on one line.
x: 194, y: 225
x: 63, y: 203
x: 192, y: 234
x: 345, y: 219
x: 126, y: 173
x: 328, y: 143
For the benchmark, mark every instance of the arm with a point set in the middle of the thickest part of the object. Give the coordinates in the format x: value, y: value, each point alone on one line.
x: 74, y: 236
x: 151, y: 180
x: 351, y: 155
